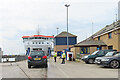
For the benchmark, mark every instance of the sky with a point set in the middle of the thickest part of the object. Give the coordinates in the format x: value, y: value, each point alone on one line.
x: 21, y: 18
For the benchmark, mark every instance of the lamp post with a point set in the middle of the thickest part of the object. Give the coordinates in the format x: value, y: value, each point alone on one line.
x: 66, y: 5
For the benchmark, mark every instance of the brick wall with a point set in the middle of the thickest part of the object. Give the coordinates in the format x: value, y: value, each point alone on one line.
x: 61, y: 47
x: 114, y: 41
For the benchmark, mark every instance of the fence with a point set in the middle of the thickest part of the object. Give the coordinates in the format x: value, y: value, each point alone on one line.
x: 14, y: 58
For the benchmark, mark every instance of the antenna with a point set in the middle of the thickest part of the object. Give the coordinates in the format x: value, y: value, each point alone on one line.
x: 86, y: 35
x: 92, y: 27
x: 57, y: 30
x: 38, y: 31
x: 116, y: 17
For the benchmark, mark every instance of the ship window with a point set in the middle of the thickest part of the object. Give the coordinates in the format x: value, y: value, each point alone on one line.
x: 36, y: 42
x: 47, y: 42
x: 25, y: 38
x: 39, y: 37
x: 42, y: 42
x: 33, y: 42
x: 39, y: 42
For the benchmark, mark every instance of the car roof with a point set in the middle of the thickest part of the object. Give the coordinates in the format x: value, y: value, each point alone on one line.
x: 108, y: 50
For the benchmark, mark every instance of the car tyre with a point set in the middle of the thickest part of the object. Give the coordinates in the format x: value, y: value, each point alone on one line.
x: 90, y: 61
x: 114, y: 64
x: 46, y: 65
x: 86, y: 62
x: 29, y: 66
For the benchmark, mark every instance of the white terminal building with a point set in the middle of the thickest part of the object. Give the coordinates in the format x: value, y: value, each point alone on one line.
x: 38, y: 42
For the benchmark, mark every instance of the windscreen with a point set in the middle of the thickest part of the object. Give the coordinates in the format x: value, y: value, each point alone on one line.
x: 39, y: 53
x: 94, y: 53
x: 109, y: 54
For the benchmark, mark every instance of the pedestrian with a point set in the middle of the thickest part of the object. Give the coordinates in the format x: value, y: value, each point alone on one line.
x: 63, y: 57
x: 55, y: 55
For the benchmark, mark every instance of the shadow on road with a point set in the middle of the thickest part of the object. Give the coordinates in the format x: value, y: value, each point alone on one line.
x: 36, y: 67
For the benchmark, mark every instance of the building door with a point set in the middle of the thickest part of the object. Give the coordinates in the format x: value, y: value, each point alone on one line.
x: 110, y: 47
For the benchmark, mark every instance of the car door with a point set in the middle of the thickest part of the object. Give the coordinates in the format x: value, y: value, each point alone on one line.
x: 100, y: 54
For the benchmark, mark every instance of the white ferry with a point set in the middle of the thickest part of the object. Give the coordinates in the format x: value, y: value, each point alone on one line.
x: 38, y: 42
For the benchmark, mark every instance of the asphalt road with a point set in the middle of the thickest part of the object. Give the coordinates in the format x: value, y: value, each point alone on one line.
x: 57, y: 70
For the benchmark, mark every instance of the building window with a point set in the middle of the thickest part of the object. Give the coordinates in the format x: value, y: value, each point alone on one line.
x: 110, y: 47
x: 99, y: 38
x: 84, y: 50
x: 110, y: 35
x: 33, y: 42
x: 36, y: 42
x: 47, y: 42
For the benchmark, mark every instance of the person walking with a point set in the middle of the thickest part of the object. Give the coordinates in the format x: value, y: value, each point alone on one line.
x: 55, y: 56
x: 63, y: 58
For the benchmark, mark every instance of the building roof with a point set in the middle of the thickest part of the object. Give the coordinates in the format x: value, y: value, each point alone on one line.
x: 38, y: 36
x: 64, y: 34
x: 107, y: 29
x: 91, y: 43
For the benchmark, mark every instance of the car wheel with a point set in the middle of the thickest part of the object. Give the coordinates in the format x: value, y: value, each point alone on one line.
x: 90, y: 61
x: 29, y: 66
x: 114, y: 64
x: 46, y: 65
x: 86, y: 62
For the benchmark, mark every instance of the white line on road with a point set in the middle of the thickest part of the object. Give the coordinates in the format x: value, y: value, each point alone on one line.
x: 23, y: 72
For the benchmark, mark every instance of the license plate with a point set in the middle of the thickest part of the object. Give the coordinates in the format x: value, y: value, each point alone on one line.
x: 37, y: 58
x: 97, y: 62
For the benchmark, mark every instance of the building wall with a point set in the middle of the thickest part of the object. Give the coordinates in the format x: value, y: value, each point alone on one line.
x: 61, y: 47
x: 119, y: 41
x: 63, y: 40
x: 92, y: 49
x: 74, y: 52
x: 110, y: 42
x: 1, y: 53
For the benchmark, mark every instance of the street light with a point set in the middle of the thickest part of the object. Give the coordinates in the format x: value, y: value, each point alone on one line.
x: 66, y: 5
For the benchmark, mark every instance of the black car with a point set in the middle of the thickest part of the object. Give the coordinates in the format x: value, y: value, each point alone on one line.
x: 111, y: 61
x: 91, y: 58
x: 109, y: 54
x: 37, y: 58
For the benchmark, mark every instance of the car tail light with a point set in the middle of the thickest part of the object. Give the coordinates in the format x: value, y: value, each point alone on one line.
x: 29, y: 57
x: 44, y: 57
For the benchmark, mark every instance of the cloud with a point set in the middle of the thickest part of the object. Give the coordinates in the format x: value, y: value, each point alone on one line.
x: 21, y: 17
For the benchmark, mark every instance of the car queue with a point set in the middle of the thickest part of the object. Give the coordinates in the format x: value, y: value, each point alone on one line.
x: 105, y: 58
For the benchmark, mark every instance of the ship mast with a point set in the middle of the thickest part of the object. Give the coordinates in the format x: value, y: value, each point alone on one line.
x: 38, y: 31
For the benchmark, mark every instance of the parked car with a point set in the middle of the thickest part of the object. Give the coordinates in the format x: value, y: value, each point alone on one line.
x: 89, y: 59
x: 37, y: 58
x: 109, y: 54
x: 109, y: 61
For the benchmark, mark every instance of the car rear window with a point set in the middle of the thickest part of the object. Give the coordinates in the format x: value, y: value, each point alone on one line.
x: 39, y: 53
x: 117, y: 54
